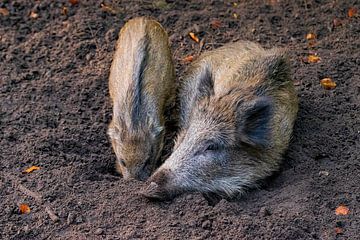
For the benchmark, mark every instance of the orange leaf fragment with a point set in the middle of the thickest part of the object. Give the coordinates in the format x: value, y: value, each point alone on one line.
x: 328, y: 83
x: 188, y: 59
x: 352, y: 12
x: 24, y: 209
x: 339, y: 230
x: 4, y: 12
x: 65, y: 11
x: 313, y: 58
x: 109, y: 8
x: 310, y: 36
x: 34, y: 15
x: 215, y: 24
x: 31, y: 169
x: 342, y: 210
x: 194, y: 37
x: 74, y: 2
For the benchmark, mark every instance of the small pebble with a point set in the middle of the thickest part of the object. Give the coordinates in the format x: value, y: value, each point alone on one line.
x: 98, y: 231
x: 206, y: 224
x: 79, y: 220
x: 70, y: 219
x: 324, y: 173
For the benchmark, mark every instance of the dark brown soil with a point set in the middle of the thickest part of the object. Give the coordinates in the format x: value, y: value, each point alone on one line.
x: 55, y: 110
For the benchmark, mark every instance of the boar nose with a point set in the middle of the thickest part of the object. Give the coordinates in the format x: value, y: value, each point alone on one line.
x: 154, y: 192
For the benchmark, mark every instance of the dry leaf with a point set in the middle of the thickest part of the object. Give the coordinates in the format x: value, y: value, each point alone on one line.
x: 194, y: 37
x: 328, y: 83
x: 235, y: 4
x: 4, y: 12
x: 235, y: 15
x: 24, y: 209
x: 215, y: 24
x: 74, y: 2
x: 342, y: 210
x: 313, y: 59
x: 352, y: 12
x: 339, y: 230
x: 273, y: 2
x: 31, y: 169
x: 109, y: 8
x: 161, y: 4
x: 34, y: 15
x: 65, y: 11
x: 188, y: 58
x: 310, y: 36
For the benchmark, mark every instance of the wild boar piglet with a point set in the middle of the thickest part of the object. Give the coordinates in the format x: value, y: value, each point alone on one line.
x: 237, y: 110
x: 141, y: 85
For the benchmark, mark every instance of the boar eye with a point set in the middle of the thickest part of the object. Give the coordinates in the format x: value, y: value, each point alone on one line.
x: 122, y: 162
x: 212, y: 147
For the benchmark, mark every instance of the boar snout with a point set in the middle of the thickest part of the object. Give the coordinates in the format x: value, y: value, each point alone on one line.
x: 159, y: 187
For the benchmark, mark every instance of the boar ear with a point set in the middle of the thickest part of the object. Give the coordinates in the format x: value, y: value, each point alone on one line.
x: 205, y: 84
x: 277, y: 63
x: 253, y: 120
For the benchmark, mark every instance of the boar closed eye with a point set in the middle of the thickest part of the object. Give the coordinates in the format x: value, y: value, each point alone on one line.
x: 212, y: 147
x: 122, y: 162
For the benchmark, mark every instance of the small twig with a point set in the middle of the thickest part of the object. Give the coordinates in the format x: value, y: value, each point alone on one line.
x: 30, y: 193
x: 51, y: 213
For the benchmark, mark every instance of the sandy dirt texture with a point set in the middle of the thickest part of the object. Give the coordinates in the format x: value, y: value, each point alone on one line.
x: 55, y: 109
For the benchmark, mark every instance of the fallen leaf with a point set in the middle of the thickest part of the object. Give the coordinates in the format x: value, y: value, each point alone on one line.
x: 74, y: 2
x: 161, y: 4
x: 342, y: 210
x: 109, y: 8
x: 328, y: 83
x: 313, y: 58
x: 188, y: 59
x: 4, y: 12
x: 339, y: 230
x: 273, y: 2
x: 352, y: 12
x: 215, y: 24
x: 65, y: 11
x: 235, y: 15
x: 34, y: 15
x: 194, y: 37
x: 310, y: 36
x: 235, y: 4
x: 337, y: 22
x: 24, y: 209
x: 31, y: 169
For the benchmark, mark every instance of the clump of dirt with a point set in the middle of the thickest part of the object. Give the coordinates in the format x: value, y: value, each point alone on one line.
x: 55, y: 110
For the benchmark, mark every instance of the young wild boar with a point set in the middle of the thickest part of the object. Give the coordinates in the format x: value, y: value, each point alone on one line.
x: 238, y: 107
x: 141, y: 85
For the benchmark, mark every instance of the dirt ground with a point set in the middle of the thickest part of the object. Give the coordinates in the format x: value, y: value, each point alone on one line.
x: 55, y: 110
